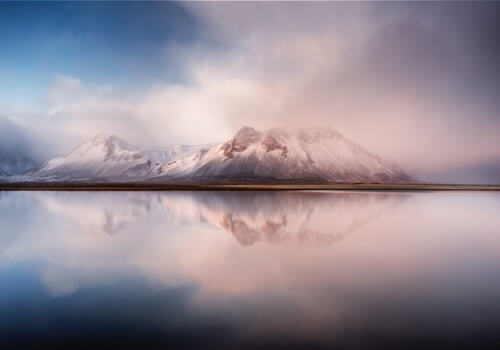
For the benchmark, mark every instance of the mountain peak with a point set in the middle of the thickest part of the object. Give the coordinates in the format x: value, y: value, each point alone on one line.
x: 105, y: 138
x: 246, y: 130
x: 108, y: 143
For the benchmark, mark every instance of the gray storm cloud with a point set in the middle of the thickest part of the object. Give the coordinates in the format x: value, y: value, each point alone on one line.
x: 415, y: 82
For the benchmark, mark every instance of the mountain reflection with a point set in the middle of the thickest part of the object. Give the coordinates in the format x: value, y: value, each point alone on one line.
x: 309, y: 218
x: 168, y: 263
x: 314, y: 218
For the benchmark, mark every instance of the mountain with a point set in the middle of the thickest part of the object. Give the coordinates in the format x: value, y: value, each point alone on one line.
x: 108, y: 158
x: 275, y: 155
x: 101, y: 157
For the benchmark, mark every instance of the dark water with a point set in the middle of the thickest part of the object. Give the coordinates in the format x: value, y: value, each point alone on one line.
x: 250, y: 270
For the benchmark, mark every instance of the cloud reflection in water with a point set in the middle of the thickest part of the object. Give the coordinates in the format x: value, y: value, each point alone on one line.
x: 327, y: 266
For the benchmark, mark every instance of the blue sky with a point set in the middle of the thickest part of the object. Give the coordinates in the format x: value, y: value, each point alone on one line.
x: 98, y: 42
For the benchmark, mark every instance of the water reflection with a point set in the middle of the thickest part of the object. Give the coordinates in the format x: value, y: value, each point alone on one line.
x: 315, y: 218
x: 250, y: 268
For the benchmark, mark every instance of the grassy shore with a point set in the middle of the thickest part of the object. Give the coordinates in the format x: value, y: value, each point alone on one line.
x: 240, y: 187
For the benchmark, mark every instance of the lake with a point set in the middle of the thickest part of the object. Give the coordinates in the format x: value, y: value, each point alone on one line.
x: 352, y: 270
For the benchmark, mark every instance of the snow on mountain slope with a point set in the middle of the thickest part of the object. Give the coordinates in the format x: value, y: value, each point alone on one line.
x: 101, y: 157
x: 177, y: 152
x: 307, y: 155
x: 108, y: 158
x: 318, y: 155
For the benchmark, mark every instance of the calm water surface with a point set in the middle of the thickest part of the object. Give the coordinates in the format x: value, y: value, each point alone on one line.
x: 250, y: 269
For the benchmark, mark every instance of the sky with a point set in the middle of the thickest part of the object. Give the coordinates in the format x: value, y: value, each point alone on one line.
x: 416, y: 83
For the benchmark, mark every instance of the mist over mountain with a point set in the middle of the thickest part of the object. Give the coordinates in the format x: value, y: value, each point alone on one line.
x: 16, y: 151
x: 274, y: 155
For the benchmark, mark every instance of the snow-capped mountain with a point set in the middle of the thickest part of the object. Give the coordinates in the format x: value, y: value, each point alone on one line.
x: 103, y: 157
x: 318, y: 155
x: 306, y: 155
x: 99, y: 157
x: 109, y: 158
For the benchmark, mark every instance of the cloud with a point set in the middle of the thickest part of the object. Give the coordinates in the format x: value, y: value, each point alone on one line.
x: 415, y: 83
x: 163, y: 115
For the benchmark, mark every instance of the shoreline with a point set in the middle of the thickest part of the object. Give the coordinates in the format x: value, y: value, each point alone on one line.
x: 240, y: 187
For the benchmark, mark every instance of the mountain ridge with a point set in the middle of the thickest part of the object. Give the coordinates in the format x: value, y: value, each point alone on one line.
x: 275, y: 155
